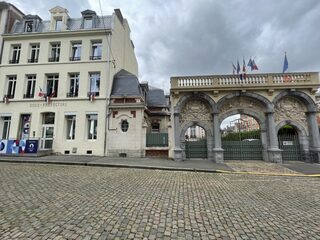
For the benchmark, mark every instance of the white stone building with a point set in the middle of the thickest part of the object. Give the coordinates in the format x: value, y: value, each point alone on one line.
x: 56, y: 77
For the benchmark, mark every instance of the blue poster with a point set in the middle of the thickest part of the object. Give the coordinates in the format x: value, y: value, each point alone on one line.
x: 3, y: 146
x: 31, y: 146
x: 16, y: 146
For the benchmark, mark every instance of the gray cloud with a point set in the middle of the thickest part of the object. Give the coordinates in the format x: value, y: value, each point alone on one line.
x: 187, y: 37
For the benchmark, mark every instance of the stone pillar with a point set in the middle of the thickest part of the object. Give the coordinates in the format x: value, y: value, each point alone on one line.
x: 314, y: 137
x: 177, y: 149
x: 274, y: 153
x: 217, y: 149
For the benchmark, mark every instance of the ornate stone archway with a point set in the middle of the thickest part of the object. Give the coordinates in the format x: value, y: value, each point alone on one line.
x: 209, y: 136
x: 193, y: 108
x: 298, y: 109
x: 265, y: 97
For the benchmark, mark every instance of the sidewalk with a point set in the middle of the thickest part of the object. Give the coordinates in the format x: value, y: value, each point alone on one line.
x: 255, y: 167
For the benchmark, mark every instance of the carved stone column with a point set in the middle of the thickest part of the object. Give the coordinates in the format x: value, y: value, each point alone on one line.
x: 217, y: 149
x: 177, y: 149
x: 314, y: 137
x: 274, y: 153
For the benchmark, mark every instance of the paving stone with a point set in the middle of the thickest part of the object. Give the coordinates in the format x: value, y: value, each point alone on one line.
x: 74, y: 202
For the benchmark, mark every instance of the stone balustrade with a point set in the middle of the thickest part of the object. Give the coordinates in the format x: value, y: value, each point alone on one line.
x: 254, y: 80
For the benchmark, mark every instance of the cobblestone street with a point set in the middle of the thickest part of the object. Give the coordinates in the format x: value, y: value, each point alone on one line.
x: 74, y: 202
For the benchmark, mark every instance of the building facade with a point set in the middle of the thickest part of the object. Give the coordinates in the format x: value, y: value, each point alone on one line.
x: 9, y: 14
x: 56, y: 77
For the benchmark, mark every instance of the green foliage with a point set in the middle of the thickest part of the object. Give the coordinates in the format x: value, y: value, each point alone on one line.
x: 287, y: 130
x: 239, y: 136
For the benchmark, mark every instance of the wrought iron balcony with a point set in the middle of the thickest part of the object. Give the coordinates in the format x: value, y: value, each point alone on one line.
x: 13, y: 61
x: 75, y: 58
x: 33, y: 60
x: 55, y: 59
x: 28, y: 95
x: 72, y: 94
x: 96, y: 94
x: 9, y: 96
x: 95, y: 57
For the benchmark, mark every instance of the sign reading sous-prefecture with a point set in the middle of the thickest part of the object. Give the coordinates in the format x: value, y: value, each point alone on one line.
x: 52, y: 104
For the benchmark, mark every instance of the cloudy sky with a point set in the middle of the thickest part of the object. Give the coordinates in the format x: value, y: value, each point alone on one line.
x: 199, y: 37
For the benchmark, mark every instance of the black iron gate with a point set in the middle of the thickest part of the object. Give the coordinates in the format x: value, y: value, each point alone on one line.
x: 242, y: 146
x: 290, y: 146
x: 196, y: 148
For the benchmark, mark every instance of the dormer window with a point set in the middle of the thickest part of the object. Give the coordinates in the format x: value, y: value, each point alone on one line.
x: 88, y: 19
x: 28, y: 27
x: 87, y: 22
x: 58, y: 25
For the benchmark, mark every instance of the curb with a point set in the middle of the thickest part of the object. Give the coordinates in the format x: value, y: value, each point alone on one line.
x: 111, y: 165
x: 269, y: 174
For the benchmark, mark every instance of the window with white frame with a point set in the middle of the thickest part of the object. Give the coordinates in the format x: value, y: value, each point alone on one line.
x: 94, y: 84
x: 92, y: 123
x: 71, y: 127
x: 74, y: 85
x: 96, y: 50
x: 52, y: 85
x: 5, y: 125
x: 30, y: 86
x: 58, y: 26
x: 12, y: 81
x: 76, y: 51
x: 54, y: 52
x: 34, y: 53
x: 15, y: 53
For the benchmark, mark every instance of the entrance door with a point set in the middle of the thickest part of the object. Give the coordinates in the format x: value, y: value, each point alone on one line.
x: 289, y: 143
x: 46, y: 140
x: 47, y: 136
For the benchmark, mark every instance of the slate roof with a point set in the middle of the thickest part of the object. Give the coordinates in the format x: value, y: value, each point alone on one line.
x: 156, y: 97
x: 73, y: 24
x: 125, y: 84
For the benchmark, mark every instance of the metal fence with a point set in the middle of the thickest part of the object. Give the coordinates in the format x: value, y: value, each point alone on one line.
x: 157, y: 140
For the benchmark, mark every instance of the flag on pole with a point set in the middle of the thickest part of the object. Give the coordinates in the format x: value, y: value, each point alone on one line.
x: 234, y: 69
x: 244, y: 66
x: 41, y: 93
x: 254, y: 65
x: 285, y: 63
x: 250, y: 63
x: 238, y: 67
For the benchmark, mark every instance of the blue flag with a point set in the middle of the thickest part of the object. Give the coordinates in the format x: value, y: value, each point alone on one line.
x: 285, y: 63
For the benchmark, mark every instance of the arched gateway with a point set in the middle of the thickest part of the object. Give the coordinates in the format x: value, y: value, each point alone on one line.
x: 275, y: 101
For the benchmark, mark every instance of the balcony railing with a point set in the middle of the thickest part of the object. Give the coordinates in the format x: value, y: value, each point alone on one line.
x: 28, y: 95
x: 75, y: 58
x: 95, y: 57
x: 9, y: 96
x: 33, y: 60
x: 55, y: 59
x: 72, y: 94
x: 249, y: 80
x: 96, y: 94
x: 13, y: 61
